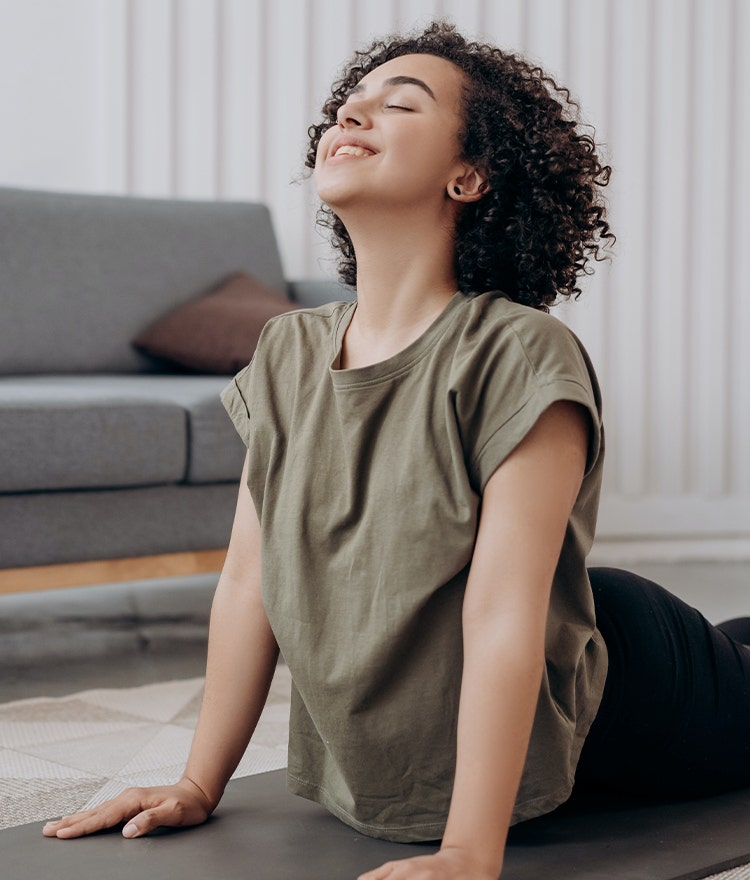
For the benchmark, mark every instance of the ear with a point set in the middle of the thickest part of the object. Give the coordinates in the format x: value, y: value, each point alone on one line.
x: 470, y: 186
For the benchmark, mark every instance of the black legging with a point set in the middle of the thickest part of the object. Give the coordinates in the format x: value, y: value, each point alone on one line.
x: 675, y: 716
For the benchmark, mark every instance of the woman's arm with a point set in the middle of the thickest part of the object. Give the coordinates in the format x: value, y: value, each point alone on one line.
x: 525, y: 509
x: 242, y: 654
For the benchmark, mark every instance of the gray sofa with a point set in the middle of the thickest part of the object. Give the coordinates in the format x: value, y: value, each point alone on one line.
x: 103, y: 454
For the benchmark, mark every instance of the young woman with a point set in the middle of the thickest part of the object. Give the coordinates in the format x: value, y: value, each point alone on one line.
x: 420, y: 494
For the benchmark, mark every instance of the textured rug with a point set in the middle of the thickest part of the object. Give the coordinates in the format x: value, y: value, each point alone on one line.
x: 67, y: 754
x: 742, y: 873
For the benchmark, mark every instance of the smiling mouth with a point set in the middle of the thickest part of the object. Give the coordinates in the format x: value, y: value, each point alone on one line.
x: 349, y: 150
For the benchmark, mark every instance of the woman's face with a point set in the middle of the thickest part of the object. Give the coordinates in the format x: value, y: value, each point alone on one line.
x: 397, y: 138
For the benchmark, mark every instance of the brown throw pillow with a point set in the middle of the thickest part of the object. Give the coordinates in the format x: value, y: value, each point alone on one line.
x: 218, y: 332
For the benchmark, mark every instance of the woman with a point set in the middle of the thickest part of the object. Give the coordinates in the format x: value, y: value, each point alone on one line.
x: 420, y: 494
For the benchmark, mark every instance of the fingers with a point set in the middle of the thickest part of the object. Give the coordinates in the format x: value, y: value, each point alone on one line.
x: 169, y: 814
x: 378, y: 873
x: 87, y: 822
x: 142, y: 810
x: 106, y: 815
x: 147, y: 821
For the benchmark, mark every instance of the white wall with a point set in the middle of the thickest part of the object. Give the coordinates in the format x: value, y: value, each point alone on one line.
x: 211, y: 98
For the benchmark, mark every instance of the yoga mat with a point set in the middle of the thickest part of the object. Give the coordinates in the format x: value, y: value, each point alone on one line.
x: 262, y: 832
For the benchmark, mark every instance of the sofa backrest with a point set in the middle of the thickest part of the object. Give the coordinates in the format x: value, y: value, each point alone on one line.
x: 82, y: 275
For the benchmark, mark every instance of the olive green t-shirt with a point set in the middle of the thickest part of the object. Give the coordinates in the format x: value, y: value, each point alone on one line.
x: 368, y: 484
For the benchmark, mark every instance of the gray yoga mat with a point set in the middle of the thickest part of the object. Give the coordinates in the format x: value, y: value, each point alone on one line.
x: 262, y: 832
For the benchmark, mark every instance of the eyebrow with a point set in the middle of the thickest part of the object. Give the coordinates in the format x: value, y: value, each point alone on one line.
x: 400, y: 81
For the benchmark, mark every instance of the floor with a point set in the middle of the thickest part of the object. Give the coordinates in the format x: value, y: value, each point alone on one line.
x: 123, y: 635
x: 126, y: 636
x: 117, y: 635
x: 62, y: 755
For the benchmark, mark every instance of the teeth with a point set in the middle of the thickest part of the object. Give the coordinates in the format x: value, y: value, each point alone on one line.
x: 349, y: 150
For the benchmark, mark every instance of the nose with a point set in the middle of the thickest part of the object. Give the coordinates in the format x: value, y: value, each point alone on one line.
x: 351, y: 114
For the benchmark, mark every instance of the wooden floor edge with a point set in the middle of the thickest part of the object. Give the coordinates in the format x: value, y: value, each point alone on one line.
x: 108, y: 571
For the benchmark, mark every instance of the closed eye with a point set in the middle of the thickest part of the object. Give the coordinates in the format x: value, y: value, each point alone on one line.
x: 397, y: 107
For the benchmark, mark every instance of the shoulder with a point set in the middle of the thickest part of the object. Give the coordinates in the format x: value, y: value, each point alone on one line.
x: 291, y: 345
x: 494, y: 312
x: 523, y: 338
x: 300, y: 335
x: 320, y: 321
x: 512, y: 363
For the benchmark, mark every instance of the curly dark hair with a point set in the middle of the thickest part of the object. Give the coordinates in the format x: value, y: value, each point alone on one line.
x: 543, y: 217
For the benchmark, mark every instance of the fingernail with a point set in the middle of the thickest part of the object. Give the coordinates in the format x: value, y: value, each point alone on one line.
x: 130, y: 830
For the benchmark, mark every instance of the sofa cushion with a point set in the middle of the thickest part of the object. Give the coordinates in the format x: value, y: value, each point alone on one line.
x: 218, y: 332
x: 82, y: 274
x: 84, y: 432
x: 216, y: 451
x: 47, y: 528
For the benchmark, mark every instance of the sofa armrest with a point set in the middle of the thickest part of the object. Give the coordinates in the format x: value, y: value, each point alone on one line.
x: 311, y: 293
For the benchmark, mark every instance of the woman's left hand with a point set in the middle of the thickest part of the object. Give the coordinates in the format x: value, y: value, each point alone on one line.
x: 447, y: 864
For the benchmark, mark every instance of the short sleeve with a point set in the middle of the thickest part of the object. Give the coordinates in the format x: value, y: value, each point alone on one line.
x: 535, y: 362
x: 235, y: 399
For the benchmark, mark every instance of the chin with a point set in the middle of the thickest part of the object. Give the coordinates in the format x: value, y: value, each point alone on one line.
x: 338, y: 197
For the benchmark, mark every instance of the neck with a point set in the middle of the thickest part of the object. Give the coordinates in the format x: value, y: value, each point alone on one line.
x: 405, y: 271
x: 405, y: 278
